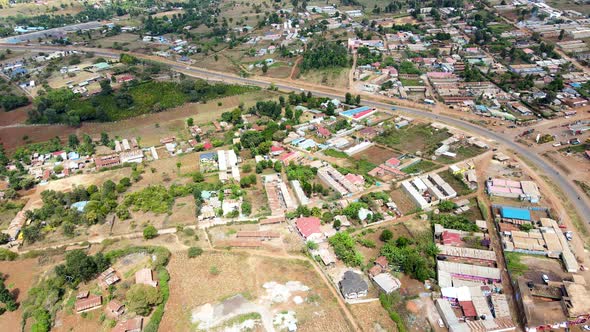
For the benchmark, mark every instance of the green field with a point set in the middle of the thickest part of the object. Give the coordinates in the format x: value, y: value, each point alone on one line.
x: 463, y: 152
x: 421, y: 137
x: 420, y: 167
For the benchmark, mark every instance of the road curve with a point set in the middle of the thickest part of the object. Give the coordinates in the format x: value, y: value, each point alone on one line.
x: 569, y: 188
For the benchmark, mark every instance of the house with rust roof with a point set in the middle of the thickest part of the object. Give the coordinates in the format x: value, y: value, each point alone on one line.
x: 90, y: 303
x: 115, y: 309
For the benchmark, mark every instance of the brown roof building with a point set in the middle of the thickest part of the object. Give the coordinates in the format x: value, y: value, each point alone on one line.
x: 108, y: 277
x: 144, y: 276
x: 89, y: 303
x: 115, y: 309
x: 131, y: 325
x: 107, y: 161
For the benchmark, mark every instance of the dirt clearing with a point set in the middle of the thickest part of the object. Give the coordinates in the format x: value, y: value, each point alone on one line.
x: 245, y: 280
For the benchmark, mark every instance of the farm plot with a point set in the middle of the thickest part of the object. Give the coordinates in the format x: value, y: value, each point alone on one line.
x: 252, y: 288
x: 375, y: 154
x: 404, y: 202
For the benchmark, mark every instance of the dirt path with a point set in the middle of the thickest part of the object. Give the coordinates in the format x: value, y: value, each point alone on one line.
x: 351, y: 72
x: 295, y: 68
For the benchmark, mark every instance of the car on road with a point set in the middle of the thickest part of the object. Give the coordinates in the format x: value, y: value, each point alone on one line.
x: 556, y: 144
x: 545, y: 278
x: 575, y: 141
x: 586, y: 327
x: 511, y: 126
x: 569, y: 235
x: 394, y: 109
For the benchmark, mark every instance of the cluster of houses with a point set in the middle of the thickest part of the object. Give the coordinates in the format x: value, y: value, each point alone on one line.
x: 470, y: 282
x: 114, y: 309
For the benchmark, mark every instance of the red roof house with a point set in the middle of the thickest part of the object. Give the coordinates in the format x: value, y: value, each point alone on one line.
x: 309, y: 227
x: 449, y: 238
x: 468, y: 308
x: 392, y: 162
x: 207, y: 145
x: 323, y: 132
x: 276, y: 150
x: 382, y: 261
x: 355, y: 179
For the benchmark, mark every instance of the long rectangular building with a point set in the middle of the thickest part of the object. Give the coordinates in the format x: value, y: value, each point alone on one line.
x: 463, y: 252
x: 467, y: 271
x: 337, y: 181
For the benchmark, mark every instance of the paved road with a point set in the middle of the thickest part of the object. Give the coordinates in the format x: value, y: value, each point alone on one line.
x: 568, y: 187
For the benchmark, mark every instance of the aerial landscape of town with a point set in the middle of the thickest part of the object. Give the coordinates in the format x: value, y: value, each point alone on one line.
x: 295, y: 165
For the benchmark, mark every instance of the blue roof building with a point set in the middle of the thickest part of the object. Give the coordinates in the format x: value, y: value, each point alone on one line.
x: 208, y: 156
x: 509, y: 212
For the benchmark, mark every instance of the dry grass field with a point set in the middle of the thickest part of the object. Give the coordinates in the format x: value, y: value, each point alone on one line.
x: 193, y: 284
x: 337, y: 78
x: 372, y: 317
x: 20, y: 276
x: 31, y: 9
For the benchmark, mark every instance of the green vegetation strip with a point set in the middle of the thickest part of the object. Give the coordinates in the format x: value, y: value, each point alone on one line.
x: 513, y: 264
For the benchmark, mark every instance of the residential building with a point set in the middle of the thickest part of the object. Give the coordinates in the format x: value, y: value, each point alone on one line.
x: 145, y: 277
x: 353, y: 286
x: 90, y: 303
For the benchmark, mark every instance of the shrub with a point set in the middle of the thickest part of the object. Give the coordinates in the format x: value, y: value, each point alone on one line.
x: 386, y: 235
x: 7, y: 255
x: 194, y: 252
x: 150, y: 232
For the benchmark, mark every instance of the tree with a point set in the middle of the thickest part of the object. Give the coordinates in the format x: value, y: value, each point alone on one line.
x: 73, y: 141
x: 7, y: 298
x: 358, y: 100
x: 561, y: 34
x: 264, y: 67
x: 337, y: 223
x: 141, y: 298
x: 105, y: 88
x: 446, y: 206
x: 150, y: 232
x: 278, y: 166
x: 194, y: 252
x: 79, y: 267
x: 190, y: 122
x: 198, y: 177
x: 348, y: 98
x: 386, y: 235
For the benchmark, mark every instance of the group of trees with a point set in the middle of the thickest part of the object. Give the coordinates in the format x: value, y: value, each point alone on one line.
x: 57, y: 210
x: 452, y: 221
x: 270, y: 108
x: 7, y: 298
x: 10, y: 101
x: 415, y: 257
x: 132, y: 99
x: 323, y: 55
x: 350, y: 100
x: 345, y: 249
